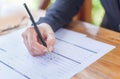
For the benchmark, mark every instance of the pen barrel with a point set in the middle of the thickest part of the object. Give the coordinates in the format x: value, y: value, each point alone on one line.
x: 38, y: 32
x: 35, y: 26
x: 40, y: 36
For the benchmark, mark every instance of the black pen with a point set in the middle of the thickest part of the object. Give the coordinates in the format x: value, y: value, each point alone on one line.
x: 35, y: 26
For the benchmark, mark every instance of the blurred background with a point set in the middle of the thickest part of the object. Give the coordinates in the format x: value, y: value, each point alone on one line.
x: 97, y: 9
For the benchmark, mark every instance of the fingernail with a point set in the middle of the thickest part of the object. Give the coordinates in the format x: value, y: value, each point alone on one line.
x: 50, y: 49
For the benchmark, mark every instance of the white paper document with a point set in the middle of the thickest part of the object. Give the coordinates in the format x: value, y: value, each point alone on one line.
x: 73, y: 53
x: 8, y: 73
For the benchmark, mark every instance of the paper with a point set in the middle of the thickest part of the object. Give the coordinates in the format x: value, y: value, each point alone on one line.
x: 73, y: 53
x: 8, y: 73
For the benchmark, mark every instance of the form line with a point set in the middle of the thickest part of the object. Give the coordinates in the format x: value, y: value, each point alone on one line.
x: 66, y: 57
x: 77, y: 46
x: 14, y: 69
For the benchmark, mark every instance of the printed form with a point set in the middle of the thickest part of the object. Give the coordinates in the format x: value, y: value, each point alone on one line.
x: 73, y: 53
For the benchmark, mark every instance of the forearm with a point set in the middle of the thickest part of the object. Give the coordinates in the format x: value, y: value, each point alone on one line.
x: 61, y: 13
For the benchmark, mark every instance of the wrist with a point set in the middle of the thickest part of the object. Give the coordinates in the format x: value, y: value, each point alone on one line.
x: 45, y: 26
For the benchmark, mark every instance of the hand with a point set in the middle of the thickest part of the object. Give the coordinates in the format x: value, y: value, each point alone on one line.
x: 33, y: 43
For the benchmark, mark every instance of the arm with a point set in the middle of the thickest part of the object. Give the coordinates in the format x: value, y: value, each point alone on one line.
x: 112, y: 14
x: 61, y: 13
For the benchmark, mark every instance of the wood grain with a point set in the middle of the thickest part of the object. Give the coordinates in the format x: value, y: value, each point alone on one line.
x: 107, y: 67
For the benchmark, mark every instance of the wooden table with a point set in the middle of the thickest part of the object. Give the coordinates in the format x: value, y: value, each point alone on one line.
x: 107, y: 67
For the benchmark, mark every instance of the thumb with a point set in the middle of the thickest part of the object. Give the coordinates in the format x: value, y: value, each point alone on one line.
x: 50, y: 41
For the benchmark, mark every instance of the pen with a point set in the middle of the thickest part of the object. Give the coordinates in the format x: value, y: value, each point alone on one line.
x: 35, y: 26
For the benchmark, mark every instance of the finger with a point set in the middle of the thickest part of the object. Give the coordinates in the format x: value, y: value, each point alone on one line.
x: 36, y: 52
x: 27, y: 44
x: 34, y: 46
x: 24, y: 35
x: 25, y: 38
x: 33, y: 51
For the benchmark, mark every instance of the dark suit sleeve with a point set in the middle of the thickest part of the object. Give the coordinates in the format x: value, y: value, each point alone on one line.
x: 112, y: 14
x: 61, y: 13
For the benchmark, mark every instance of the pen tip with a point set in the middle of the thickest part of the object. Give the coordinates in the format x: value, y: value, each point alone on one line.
x: 49, y: 52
